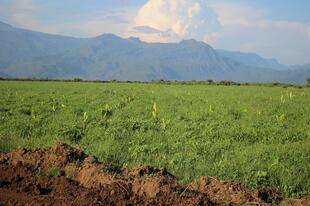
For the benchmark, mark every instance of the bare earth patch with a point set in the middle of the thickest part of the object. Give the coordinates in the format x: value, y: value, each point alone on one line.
x: 66, y: 176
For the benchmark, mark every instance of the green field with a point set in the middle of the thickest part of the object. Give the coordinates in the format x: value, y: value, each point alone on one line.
x: 257, y: 134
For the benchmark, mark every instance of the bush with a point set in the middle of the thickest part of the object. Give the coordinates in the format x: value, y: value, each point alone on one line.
x: 77, y: 79
x: 227, y: 82
x: 210, y: 81
x: 276, y: 84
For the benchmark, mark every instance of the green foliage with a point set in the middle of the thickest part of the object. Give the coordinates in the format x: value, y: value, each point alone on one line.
x: 25, y: 111
x: 106, y: 112
x: 227, y: 83
x: 26, y: 131
x: 77, y: 79
x: 256, y: 134
x: 260, y: 178
x: 154, y: 110
x: 52, y: 172
x: 74, y: 133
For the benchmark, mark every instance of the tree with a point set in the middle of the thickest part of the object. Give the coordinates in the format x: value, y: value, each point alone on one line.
x: 308, y: 80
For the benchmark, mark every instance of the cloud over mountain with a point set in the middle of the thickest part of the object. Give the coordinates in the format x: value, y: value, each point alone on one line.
x: 178, y: 19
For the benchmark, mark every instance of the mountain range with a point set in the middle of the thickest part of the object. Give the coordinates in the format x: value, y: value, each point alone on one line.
x: 28, y: 54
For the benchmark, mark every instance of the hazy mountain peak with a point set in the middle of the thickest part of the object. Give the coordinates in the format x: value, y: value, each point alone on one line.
x: 191, y: 41
x: 4, y: 26
x: 252, y: 59
x: 194, y: 44
x: 108, y: 36
x: 134, y: 39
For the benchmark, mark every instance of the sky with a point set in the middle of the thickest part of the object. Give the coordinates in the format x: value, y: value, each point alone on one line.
x: 272, y: 28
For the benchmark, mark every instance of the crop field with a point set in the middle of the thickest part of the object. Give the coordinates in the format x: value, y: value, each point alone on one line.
x: 257, y: 134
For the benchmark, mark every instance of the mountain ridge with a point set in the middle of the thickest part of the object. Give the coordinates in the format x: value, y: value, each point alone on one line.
x: 25, y: 53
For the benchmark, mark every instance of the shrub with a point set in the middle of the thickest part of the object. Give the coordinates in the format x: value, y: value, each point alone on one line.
x: 227, y: 82
x: 276, y: 84
x: 210, y: 81
x: 77, y: 79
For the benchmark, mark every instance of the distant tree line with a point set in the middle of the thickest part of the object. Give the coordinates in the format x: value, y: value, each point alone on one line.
x: 308, y: 80
x: 162, y: 81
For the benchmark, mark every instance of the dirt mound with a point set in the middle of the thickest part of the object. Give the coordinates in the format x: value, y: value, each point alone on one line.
x: 229, y: 191
x: 64, y: 175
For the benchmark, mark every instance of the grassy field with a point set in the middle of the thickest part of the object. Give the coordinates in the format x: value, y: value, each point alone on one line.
x: 257, y: 134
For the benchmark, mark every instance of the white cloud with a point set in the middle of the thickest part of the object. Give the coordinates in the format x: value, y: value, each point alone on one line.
x: 28, y: 14
x: 236, y: 14
x: 24, y: 6
x: 177, y: 19
x: 25, y: 13
x: 105, y: 22
x: 146, y: 30
x: 248, y: 29
x: 212, y: 37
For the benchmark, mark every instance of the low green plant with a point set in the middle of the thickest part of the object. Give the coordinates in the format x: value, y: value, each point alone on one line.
x: 154, y: 110
x: 26, y: 131
x: 53, y: 171
x: 106, y: 112
x: 74, y: 133
x: 25, y: 111
x: 261, y: 178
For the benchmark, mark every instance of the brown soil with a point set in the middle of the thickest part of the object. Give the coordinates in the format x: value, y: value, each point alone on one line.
x: 66, y: 176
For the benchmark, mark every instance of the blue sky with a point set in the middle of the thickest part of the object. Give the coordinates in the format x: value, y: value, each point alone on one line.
x: 272, y: 28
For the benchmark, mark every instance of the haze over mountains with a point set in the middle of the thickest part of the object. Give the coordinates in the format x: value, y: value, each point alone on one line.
x: 25, y: 53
